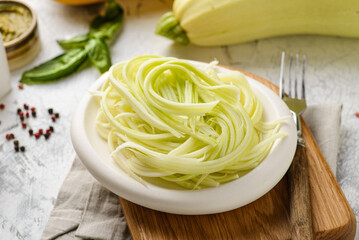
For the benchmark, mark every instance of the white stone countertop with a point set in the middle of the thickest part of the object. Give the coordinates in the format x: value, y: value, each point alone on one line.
x: 30, y: 181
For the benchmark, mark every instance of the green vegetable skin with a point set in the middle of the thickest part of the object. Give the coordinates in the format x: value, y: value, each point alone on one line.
x: 92, y: 45
x: 225, y: 22
x: 169, y: 27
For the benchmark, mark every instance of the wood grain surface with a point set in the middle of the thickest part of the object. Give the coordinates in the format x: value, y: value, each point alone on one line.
x: 265, y: 218
x: 300, y: 207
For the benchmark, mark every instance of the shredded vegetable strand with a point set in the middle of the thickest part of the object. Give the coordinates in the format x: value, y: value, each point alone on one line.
x: 164, y: 117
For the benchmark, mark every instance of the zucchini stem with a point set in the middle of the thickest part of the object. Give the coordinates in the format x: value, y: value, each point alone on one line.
x: 169, y: 27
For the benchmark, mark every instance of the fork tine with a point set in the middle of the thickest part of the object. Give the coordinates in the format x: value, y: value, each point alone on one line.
x: 290, y: 75
x: 303, y: 77
x: 281, y: 77
x: 296, y: 76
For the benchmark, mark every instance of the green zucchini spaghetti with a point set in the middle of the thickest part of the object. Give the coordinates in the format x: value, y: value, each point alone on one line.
x: 167, y: 118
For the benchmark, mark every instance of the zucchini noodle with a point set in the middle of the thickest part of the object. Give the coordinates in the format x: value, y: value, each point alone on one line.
x: 164, y: 117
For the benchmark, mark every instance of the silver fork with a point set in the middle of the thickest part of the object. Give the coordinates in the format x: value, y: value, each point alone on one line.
x: 299, y: 191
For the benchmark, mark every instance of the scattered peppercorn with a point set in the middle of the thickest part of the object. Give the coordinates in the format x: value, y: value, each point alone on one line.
x: 47, y: 135
x: 357, y: 114
x: 9, y: 136
x: 25, y: 112
x: 20, y: 86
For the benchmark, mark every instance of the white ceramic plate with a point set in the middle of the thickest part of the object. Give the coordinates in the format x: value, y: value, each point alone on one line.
x: 93, y: 152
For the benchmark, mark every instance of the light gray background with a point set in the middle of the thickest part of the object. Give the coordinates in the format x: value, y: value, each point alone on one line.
x: 29, y: 182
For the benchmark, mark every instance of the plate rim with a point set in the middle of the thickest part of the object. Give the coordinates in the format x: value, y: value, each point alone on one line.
x: 206, y: 201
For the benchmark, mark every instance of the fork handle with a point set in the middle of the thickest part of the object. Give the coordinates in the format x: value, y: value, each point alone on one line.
x: 299, y: 193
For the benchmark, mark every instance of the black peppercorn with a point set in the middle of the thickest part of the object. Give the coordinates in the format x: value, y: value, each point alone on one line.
x: 46, y: 135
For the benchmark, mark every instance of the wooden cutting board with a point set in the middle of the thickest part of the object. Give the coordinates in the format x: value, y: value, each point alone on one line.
x: 266, y: 218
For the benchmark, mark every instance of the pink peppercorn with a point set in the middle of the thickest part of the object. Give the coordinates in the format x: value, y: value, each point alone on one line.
x: 9, y: 136
x: 37, y: 135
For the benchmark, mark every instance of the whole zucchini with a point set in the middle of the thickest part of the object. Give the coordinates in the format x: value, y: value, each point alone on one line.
x: 224, y: 22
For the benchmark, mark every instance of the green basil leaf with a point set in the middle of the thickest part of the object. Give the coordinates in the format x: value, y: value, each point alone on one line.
x: 58, y: 67
x: 91, y: 45
x: 75, y: 42
x: 99, y: 54
x: 107, y: 25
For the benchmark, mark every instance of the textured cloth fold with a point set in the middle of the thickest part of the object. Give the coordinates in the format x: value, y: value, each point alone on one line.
x: 86, y: 210
x: 104, y: 206
x: 324, y: 123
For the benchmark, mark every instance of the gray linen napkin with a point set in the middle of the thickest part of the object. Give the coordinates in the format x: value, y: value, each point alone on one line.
x: 324, y: 123
x: 86, y: 210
